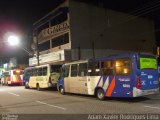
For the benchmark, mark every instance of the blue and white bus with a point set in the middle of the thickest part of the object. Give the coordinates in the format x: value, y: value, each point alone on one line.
x: 43, y: 76
x: 124, y: 75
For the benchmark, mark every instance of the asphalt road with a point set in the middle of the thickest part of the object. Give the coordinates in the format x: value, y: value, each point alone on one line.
x: 17, y: 100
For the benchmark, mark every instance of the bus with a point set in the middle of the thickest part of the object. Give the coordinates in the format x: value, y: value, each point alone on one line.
x: 12, y: 77
x: 5, y: 78
x: 43, y: 76
x: 123, y: 75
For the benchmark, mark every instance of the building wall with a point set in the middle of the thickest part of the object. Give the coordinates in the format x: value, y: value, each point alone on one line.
x: 53, y: 35
x: 52, y: 31
x: 107, y: 29
x: 93, y: 32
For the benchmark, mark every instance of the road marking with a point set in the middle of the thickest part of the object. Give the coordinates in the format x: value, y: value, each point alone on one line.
x: 51, y: 105
x: 13, y: 94
x: 152, y: 107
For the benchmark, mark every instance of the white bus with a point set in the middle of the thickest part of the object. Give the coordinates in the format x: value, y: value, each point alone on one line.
x: 43, y: 76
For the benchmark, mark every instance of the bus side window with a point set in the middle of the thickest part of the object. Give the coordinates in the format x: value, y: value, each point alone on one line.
x: 31, y: 72
x: 27, y: 72
x: 74, y: 70
x: 34, y: 72
x: 44, y: 71
x: 107, y: 67
x: 123, y: 66
x: 82, y: 69
x: 40, y: 72
x: 65, y: 71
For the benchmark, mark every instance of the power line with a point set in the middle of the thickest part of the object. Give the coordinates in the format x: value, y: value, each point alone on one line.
x: 145, y: 11
x: 140, y: 13
x: 145, y: 6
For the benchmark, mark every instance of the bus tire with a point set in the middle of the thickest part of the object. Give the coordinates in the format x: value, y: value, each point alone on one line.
x: 100, y: 94
x: 61, y: 90
x: 38, y: 87
x: 26, y: 86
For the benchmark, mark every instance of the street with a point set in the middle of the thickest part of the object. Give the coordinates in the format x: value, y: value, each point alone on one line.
x: 17, y: 99
x: 49, y: 104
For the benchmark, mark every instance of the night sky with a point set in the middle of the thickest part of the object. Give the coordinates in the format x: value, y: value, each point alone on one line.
x: 19, y: 15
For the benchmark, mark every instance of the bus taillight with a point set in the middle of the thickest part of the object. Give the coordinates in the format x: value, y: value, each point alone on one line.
x: 138, y: 84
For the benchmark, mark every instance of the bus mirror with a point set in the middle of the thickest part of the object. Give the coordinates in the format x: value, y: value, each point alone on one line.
x: 89, y: 71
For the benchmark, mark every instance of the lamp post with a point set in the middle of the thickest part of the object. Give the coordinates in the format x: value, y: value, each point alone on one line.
x: 37, y: 49
x: 34, y: 46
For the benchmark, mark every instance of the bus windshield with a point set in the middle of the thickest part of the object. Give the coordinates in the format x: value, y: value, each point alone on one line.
x: 148, y: 62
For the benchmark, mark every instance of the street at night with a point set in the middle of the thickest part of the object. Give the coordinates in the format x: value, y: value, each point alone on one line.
x: 30, y: 101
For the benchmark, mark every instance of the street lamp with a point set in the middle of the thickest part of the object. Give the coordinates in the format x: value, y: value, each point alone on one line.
x: 13, y: 40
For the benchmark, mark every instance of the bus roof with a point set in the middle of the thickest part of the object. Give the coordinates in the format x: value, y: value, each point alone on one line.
x: 37, y: 66
x: 123, y: 55
x: 76, y: 62
x: 110, y: 57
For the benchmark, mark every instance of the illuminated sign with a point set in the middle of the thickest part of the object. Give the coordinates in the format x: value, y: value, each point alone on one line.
x: 57, y: 29
x: 148, y: 63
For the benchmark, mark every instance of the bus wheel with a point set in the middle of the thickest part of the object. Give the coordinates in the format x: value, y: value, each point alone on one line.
x: 100, y: 94
x: 26, y: 86
x: 61, y: 90
x: 37, y: 86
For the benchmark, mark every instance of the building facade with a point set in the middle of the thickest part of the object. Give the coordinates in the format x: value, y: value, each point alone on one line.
x: 76, y: 30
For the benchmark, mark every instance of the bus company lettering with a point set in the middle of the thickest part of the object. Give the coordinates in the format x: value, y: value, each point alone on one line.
x: 150, y: 76
x: 126, y: 85
x: 124, y: 79
x: 155, y: 82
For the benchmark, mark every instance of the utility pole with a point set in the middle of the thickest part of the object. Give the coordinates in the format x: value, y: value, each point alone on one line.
x: 37, y: 49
